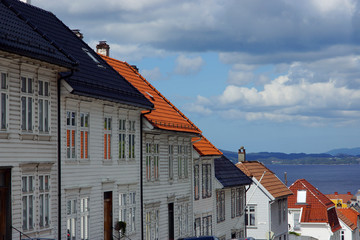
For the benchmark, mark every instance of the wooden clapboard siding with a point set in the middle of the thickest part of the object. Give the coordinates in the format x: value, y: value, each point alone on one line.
x: 96, y: 174
x: 16, y: 152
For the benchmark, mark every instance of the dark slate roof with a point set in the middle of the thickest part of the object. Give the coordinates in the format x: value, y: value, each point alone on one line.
x: 23, y: 38
x: 94, y: 77
x: 228, y: 174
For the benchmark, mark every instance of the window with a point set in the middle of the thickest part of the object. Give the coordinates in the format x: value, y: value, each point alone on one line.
x: 27, y: 104
x: 180, y: 161
x: 131, y: 139
x: 84, y: 218
x: 70, y: 134
x: 152, y: 224
x: 127, y: 210
x: 71, y: 219
x: 197, y: 227
x: 220, y: 205
x: 183, y: 219
x: 148, y: 161
x: 122, y: 138
x: 237, y: 202
x: 28, y: 202
x: 207, y: 225
x: 206, y: 180
x: 107, y: 137
x: 296, y: 221
x: 44, y: 200
x: 250, y: 216
x: 171, y: 162
x: 196, y: 183
x: 279, y: 210
x: 44, y: 106
x: 84, y: 135
x: 156, y: 160
x: 186, y: 163
x: 3, y: 101
x: 301, y: 196
x: 342, y: 235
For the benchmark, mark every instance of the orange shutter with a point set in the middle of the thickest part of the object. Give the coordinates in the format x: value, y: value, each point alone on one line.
x: 109, y: 146
x: 68, y: 138
x: 73, y: 138
x: 86, y: 144
x: 82, y: 144
x: 105, y: 146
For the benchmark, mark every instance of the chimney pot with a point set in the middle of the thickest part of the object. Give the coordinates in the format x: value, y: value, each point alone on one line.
x: 242, y: 154
x: 103, y: 48
x: 349, y: 193
x: 336, y: 193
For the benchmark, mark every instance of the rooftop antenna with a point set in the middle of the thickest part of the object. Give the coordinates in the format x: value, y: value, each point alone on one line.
x: 286, y: 181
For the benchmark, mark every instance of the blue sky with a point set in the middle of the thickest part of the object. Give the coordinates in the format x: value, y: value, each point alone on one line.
x: 277, y: 76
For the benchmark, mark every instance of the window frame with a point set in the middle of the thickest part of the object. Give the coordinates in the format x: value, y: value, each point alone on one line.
x: 248, y: 219
x: 85, y: 218
x: 107, y: 138
x: 196, y: 182
x: 71, y: 135
x: 4, y: 101
x: 44, y: 200
x: 71, y: 218
x: 27, y: 93
x: 206, y: 180
x: 84, y: 135
x: 44, y: 109
x: 28, y: 199
x: 220, y: 206
x: 171, y: 161
x: 122, y: 139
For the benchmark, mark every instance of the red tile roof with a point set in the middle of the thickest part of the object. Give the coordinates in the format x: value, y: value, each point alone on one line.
x: 318, y: 208
x: 204, y: 147
x: 349, y: 217
x: 270, y: 181
x: 164, y: 115
x: 346, y: 198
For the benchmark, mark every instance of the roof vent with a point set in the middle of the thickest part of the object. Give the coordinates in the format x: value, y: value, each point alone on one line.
x: 78, y: 33
x: 103, y: 48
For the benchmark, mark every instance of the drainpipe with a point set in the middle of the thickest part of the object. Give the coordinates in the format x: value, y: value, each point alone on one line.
x: 59, y: 147
x: 141, y: 174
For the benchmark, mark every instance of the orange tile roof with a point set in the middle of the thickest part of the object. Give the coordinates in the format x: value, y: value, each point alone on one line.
x: 349, y: 217
x: 346, y: 198
x: 164, y: 115
x: 204, y: 147
x: 270, y: 181
x: 318, y: 208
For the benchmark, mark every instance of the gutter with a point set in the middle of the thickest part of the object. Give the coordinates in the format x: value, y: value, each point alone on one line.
x: 141, y: 174
x: 59, y: 147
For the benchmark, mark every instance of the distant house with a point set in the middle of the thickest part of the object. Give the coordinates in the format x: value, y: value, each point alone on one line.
x: 311, y: 213
x: 266, y: 201
x: 350, y: 223
x: 29, y: 68
x: 340, y: 200
x: 167, y: 162
x: 219, y: 193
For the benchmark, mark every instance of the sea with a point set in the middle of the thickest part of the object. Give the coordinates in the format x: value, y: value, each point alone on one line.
x: 327, y: 178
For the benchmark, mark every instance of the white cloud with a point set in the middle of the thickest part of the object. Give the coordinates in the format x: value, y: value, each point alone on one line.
x: 153, y: 74
x: 188, y: 65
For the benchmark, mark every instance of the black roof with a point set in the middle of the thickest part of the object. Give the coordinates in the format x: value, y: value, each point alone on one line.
x: 23, y: 38
x: 93, y: 77
x: 228, y: 174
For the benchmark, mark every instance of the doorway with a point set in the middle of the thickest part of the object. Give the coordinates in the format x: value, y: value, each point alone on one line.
x: 171, y: 221
x: 5, y: 209
x: 108, y: 216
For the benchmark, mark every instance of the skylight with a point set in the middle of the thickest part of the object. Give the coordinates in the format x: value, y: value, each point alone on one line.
x: 301, y: 196
x: 90, y: 55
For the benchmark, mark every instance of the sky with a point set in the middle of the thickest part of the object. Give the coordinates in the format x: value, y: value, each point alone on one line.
x: 275, y: 76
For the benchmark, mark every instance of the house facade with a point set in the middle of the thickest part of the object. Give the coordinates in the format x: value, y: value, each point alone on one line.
x: 311, y: 213
x: 350, y: 223
x: 28, y: 127
x: 340, y: 200
x: 267, y: 202
x: 166, y: 163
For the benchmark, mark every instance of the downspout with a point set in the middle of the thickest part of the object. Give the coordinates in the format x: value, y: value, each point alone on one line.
x: 59, y: 147
x: 141, y: 174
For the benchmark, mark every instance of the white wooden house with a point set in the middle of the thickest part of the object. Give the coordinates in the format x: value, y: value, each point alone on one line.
x: 166, y: 163
x: 350, y: 223
x: 28, y: 126
x: 266, y: 205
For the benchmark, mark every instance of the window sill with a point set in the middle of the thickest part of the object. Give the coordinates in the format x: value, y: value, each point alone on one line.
x: 44, y: 137
x: 4, y: 135
x: 28, y: 136
x: 85, y: 161
x: 107, y: 162
x: 251, y: 227
x: 71, y: 161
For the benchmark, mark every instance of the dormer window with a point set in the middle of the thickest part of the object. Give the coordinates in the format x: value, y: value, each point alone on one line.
x: 301, y: 196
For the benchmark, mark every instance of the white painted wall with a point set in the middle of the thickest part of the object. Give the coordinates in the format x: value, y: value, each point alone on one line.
x: 29, y: 153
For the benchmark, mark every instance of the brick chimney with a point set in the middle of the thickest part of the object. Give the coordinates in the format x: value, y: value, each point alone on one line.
x: 241, y: 154
x: 78, y: 33
x: 103, y: 48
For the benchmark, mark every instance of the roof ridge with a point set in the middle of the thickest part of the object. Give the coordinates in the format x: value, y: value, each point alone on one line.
x: 212, y: 145
x: 316, y: 196
x: 36, y: 29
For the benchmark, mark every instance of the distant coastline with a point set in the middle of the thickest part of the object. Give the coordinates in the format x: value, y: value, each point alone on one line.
x: 275, y: 158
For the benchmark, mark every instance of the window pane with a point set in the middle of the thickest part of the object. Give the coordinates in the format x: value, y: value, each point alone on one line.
x: 41, y: 115
x: 30, y: 87
x: 46, y: 116
x: 41, y: 88
x: 29, y: 114
x: 23, y: 113
x: 46, y: 89
x: 3, y: 80
x: 23, y: 84
x: 3, y: 111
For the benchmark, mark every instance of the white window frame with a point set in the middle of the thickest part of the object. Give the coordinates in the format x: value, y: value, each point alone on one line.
x: 122, y: 139
x: 220, y: 206
x: 207, y: 225
x: 44, y: 107
x: 156, y: 159
x: 84, y: 218
x: 71, y: 218
x: 206, y: 172
x: 71, y: 134
x: 131, y: 139
x: 249, y: 212
x: 44, y: 200
x: 196, y: 182
x: 197, y: 226
x: 152, y: 224
x: 107, y: 137
x: 27, y: 111
x: 28, y: 202
x: 4, y: 101
x: 171, y: 162
x: 148, y: 159
x: 84, y: 135
x: 127, y: 210
x: 180, y: 160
